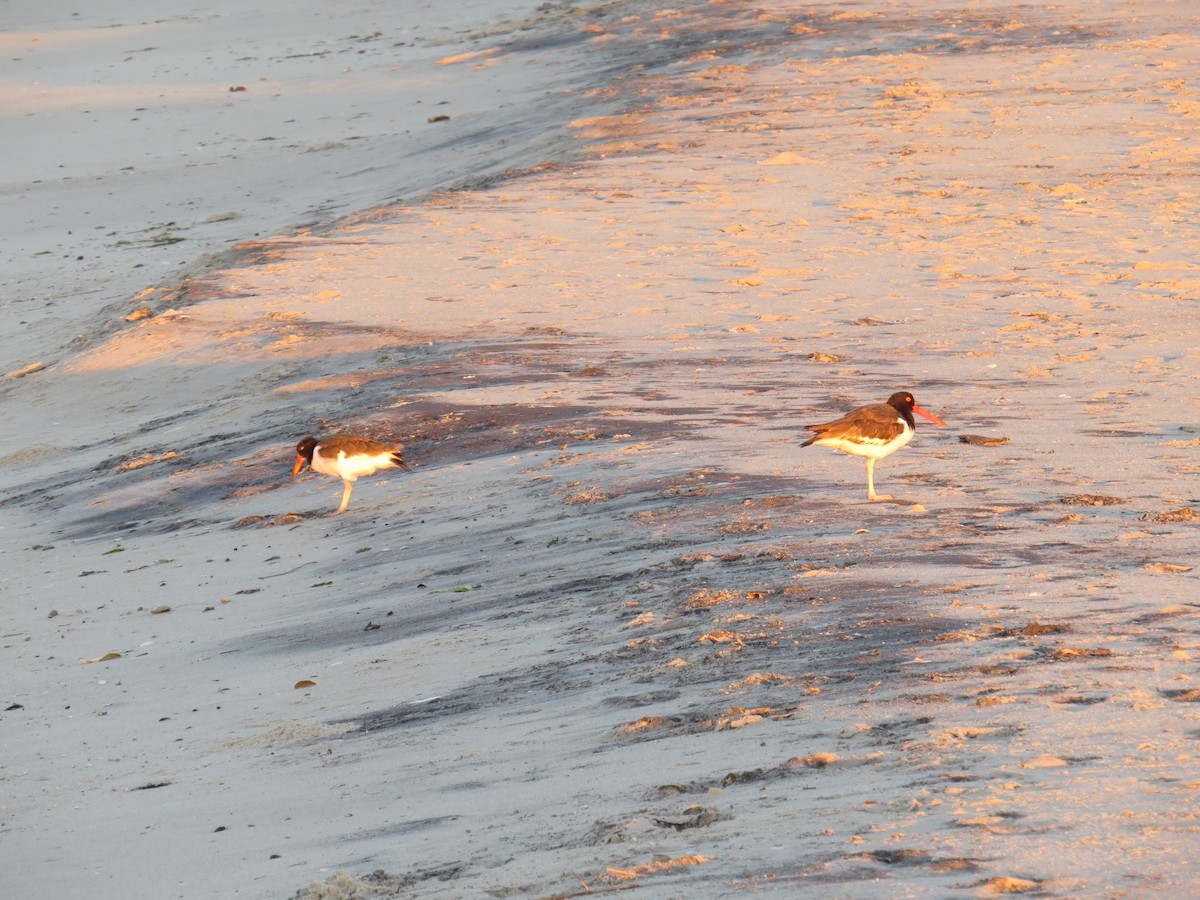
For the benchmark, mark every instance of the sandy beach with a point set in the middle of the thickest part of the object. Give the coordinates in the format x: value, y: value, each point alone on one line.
x: 615, y: 631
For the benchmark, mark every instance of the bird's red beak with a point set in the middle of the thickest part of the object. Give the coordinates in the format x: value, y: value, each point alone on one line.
x: 928, y: 415
x: 300, y: 465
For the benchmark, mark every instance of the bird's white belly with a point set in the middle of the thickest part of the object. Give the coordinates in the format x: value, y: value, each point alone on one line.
x: 872, y: 448
x: 349, y: 468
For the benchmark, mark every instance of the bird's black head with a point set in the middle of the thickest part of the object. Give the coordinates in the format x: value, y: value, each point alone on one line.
x: 304, y: 454
x: 305, y: 448
x: 903, y: 403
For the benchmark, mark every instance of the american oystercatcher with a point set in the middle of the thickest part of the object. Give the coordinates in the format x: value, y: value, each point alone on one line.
x: 873, y: 431
x: 347, y: 457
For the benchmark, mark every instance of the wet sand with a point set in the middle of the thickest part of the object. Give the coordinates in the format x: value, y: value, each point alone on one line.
x: 616, y: 630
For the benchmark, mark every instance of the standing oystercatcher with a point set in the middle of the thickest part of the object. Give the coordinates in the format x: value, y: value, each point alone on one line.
x: 873, y: 431
x: 347, y: 457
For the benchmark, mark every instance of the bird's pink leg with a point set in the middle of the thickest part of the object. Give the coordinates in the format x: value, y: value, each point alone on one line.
x: 871, y: 495
x: 345, y: 498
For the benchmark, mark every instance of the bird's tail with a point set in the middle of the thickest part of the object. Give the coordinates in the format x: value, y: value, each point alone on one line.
x: 398, y: 460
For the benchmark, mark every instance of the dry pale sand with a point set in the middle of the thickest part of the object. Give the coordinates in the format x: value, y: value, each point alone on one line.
x: 616, y: 631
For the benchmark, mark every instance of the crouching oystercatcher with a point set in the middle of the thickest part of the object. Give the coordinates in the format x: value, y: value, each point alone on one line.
x: 347, y: 457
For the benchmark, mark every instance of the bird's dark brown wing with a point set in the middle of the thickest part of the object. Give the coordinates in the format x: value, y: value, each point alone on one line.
x: 353, y: 445
x: 876, y: 423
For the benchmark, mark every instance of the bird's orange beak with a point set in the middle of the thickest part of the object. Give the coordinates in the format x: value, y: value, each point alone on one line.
x: 298, y: 466
x: 928, y: 415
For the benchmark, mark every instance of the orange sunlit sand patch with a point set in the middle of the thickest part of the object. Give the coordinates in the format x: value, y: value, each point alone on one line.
x: 665, y: 865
